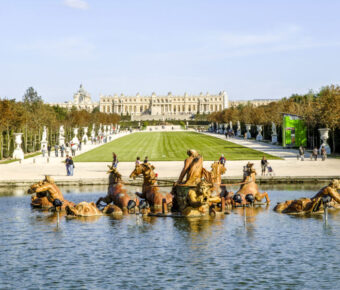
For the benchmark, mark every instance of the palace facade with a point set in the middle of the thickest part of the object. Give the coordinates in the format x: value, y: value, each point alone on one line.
x: 172, y: 107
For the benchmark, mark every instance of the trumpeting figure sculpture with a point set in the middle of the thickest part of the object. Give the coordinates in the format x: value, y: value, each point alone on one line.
x: 327, y: 196
x: 45, y: 192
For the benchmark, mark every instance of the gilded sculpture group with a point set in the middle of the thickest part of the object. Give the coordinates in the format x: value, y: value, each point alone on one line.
x: 197, y: 192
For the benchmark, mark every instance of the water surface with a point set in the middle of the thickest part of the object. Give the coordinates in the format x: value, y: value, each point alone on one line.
x: 265, y: 250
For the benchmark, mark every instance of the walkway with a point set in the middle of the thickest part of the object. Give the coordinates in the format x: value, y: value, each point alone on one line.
x: 268, y: 148
x: 95, y: 172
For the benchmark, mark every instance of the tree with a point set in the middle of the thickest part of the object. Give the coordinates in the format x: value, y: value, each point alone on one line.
x: 31, y: 97
x: 329, y: 109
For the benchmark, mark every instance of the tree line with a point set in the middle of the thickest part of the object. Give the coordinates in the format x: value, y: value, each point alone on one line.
x: 318, y: 109
x: 30, y: 115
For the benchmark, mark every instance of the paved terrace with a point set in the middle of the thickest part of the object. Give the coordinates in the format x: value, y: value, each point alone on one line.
x: 286, y: 170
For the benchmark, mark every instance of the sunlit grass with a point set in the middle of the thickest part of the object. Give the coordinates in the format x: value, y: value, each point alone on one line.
x: 169, y: 146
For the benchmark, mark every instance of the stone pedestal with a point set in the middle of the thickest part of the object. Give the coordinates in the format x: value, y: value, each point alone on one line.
x: 274, y: 139
x: 18, y: 153
x: 238, y: 130
x: 248, y: 127
x: 324, y: 136
x: 274, y: 134
x: 259, y: 136
x: 61, y: 140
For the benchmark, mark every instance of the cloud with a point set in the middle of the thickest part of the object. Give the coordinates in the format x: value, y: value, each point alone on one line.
x: 77, y: 4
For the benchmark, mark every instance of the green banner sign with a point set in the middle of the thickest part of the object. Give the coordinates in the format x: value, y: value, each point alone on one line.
x: 294, y: 131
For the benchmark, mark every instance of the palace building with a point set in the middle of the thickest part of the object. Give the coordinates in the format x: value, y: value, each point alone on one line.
x: 169, y: 107
x: 81, y: 101
x: 152, y: 107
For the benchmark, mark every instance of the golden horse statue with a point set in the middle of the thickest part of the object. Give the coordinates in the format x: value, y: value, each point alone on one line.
x: 150, y: 189
x: 214, y: 176
x: 45, y: 192
x: 116, y: 193
x: 249, y: 188
x: 314, y: 205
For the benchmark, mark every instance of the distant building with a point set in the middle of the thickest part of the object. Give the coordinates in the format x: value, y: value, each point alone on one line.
x: 169, y: 107
x: 255, y: 102
x: 81, y: 101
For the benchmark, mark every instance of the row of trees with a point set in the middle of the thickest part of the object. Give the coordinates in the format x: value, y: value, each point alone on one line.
x: 318, y: 109
x: 31, y: 114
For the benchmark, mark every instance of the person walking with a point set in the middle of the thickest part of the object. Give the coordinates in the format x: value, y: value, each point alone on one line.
x: 315, y: 153
x: 73, y: 149
x: 56, y: 150
x: 67, y: 165
x: 62, y: 149
x: 222, y: 160
x: 137, y: 161
x: 323, y: 153
x: 264, y: 164
x: 49, y: 150
x: 71, y: 165
x: 115, y: 160
x: 302, y: 153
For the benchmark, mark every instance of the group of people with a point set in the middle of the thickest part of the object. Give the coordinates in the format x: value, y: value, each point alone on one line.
x: 146, y: 160
x: 314, y: 154
x: 69, y: 148
x: 69, y: 165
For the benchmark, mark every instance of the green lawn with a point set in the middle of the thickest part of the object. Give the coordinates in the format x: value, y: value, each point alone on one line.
x: 169, y: 146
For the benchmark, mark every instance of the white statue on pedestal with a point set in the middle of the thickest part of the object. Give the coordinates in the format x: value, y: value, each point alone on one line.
x: 44, y: 141
x: 93, y: 132
x: 324, y: 136
x: 61, y: 135
x: 18, y: 153
x: 274, y: 134
x: 238, y: 132
x: 100, y: 132
x: 75, y: 139
x: 248, y: 127
x: 44, y: 134
x: 259, y: 135
x: 85, y: 137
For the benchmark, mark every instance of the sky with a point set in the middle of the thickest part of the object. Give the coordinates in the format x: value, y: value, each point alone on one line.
x: 250, y: 49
